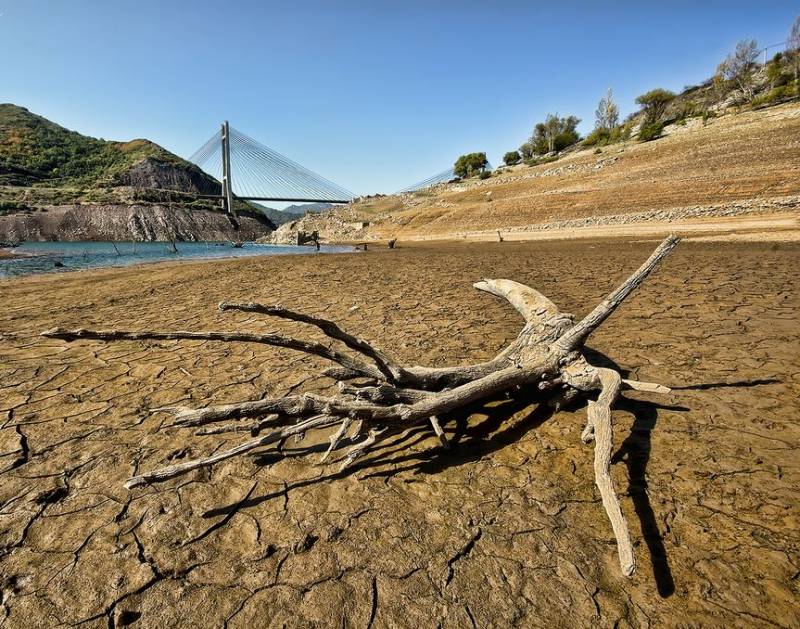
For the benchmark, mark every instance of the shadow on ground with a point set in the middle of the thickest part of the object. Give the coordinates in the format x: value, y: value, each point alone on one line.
x: 471, y: 441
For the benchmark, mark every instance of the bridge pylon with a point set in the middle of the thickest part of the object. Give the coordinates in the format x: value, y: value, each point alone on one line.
x: 227, y: 184
x: 261, y: 173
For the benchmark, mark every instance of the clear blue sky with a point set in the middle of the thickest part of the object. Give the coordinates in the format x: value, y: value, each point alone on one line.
x: 373, y: 95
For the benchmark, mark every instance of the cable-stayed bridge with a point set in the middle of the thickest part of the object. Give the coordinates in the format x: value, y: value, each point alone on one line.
x: 442, y: 177
x: 250, y: 171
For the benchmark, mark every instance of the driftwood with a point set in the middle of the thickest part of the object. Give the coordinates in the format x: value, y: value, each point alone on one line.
x: 545, y: 358
x: 303, y: 238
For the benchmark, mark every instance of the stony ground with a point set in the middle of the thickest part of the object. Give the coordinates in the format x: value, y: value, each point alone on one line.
x: 742, y: 163
x: 506, y: 530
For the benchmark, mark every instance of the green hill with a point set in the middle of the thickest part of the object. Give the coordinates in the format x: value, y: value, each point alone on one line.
x: 37, y: 152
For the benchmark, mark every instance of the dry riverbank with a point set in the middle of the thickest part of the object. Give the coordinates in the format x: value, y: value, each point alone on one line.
x: 506, y: 529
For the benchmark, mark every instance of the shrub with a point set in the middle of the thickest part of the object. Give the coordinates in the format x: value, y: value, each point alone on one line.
x: 484, y: 174
x: 650, y: 131
x: 598, y: 151
x: 598, y: 137
x: 554, y: 134
x: 470, y: 164
x: 775, y: 74
x: 604, y: 137
x: 537, y: 161
x: 512, y: 157
x: 654, y: 103
x: 626, y: 130
x: 13, y: 206
x: 526, y: 150
x: 784, y: 92
x: 689, y: 109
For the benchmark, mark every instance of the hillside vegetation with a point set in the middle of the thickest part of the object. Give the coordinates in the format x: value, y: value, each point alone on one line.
x: 60, y: 184
x: 733, y: 164
x: 34, y: 150
x: 726, y: 147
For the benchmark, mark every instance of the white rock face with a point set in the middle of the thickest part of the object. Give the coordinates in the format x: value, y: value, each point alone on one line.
x: 142, y: 223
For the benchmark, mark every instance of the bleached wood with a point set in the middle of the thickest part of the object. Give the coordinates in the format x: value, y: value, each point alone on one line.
x: 439, y: 432
x: 331, y: 329
x: 578, y: 334
x: 308, y: 347
x: 649, y: 387
x: 600, y: 414
x: 545, y: 359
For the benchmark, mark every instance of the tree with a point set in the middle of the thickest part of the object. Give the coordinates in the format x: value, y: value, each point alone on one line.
x: 793, y: 47
x: 470, y: 164
x: 654, y: 104
x: 554, y: 134
x: 527, y: 150
x: 512, y: 157
x: 737, y: 66
x: 607, y: 114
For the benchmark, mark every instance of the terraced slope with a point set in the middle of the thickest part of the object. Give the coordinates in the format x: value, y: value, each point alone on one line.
x: 738, y: 163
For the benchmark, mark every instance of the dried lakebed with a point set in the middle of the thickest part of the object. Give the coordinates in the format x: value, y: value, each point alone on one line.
x: 505, y: 530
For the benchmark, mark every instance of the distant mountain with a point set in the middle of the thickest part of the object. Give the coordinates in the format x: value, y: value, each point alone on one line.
x: 275, y: 216
x: 34, y: 150
x: 292, y: 212
x: 306, y: 208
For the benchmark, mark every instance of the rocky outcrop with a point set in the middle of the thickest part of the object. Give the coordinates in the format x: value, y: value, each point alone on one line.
x: 142, y: 223
x: 152, y: 172
x: 338, y: 225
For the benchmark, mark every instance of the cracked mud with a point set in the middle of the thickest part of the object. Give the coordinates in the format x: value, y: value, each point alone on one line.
x: 507, y: 529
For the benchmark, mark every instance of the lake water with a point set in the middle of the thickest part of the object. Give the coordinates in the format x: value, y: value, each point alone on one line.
x: 49, y: 257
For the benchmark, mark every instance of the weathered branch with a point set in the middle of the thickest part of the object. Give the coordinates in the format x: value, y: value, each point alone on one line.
x: 600, y: 418
x: 335, y: 438
x: 650, y: 387
x: 307, y: 347
x: 530, y: 303
x: 544, y: 321
x: 331, y: 329
x: 182, y: 468
x: 294, y: 406
x: 253, y: 426
x: 545, y: 358
x: 576, y: 336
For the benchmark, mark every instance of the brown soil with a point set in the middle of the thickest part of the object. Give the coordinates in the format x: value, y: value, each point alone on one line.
x: 742, y: 163
x: 507, y: 530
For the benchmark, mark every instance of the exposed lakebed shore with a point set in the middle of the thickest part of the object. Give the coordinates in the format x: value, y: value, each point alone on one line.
x: 506, y: 528
x: 46, y: 257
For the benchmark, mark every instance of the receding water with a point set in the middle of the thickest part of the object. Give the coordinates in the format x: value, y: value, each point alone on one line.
x: 48, y: 257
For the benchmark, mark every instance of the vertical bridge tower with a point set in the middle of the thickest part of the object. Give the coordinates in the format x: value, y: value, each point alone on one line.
x: 227, y: 186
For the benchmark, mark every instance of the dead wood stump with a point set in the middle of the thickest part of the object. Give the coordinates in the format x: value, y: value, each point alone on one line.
x: 547, y: 358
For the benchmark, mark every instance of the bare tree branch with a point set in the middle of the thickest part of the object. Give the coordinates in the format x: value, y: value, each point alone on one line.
x: 581, y: 331
x: 331, y: 329
x: 545, y: 359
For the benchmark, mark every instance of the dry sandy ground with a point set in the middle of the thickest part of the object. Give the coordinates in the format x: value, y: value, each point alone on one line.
x: 780, y: 227
x: 506, y: 530
x: 749, y: 161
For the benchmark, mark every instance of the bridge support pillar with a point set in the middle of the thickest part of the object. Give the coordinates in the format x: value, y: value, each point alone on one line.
x: 227, y: 188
